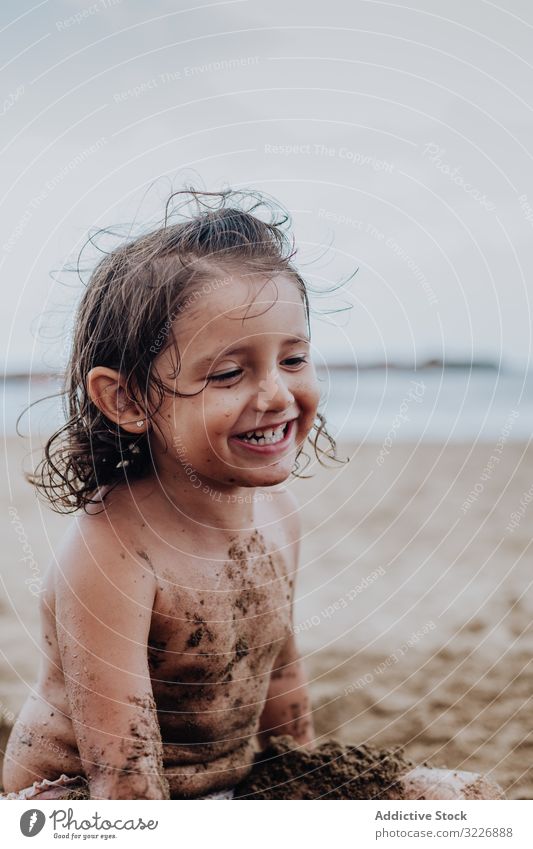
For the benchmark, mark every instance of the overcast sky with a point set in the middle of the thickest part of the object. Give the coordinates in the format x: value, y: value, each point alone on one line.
x: 399, y: 138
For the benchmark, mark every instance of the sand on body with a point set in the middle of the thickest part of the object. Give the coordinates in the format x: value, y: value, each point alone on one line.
x: 414, y: 603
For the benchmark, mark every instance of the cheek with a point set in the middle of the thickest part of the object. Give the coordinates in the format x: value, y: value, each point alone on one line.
x: 308, y: 399
x: 311, y: 393
x: 217, y: 417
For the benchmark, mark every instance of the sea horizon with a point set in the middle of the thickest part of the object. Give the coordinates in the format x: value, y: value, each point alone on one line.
x: 453, y: 401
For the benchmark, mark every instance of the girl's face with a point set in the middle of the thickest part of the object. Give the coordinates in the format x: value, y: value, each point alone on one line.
x: 253, y: 357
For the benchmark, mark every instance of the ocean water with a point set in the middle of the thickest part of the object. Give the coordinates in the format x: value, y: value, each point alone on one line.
x: 457, y: 404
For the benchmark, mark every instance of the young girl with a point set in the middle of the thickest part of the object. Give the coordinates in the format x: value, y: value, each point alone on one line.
x: 168, y: 657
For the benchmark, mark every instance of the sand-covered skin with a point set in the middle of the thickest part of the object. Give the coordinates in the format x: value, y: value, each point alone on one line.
x: 215, y: 627
x: 460, y: 695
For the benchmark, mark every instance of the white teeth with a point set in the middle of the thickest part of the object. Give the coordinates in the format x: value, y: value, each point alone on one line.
x: 267, y: 436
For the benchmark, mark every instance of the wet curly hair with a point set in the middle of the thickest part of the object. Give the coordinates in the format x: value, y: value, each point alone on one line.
x: 123, y: 321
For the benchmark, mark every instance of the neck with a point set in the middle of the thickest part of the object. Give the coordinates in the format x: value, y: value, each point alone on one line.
x: 209, y: 506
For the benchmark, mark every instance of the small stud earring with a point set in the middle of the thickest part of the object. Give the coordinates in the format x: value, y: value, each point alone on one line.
x: 140, y: 424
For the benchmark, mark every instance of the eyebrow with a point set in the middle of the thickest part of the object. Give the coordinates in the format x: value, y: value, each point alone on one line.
x: 240, y: 349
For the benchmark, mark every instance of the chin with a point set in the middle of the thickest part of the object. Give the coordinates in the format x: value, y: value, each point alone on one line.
x: 263, y: 477
x: 273, y: 478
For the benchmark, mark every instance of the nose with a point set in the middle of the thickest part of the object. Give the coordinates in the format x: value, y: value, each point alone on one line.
x: 273, y: 393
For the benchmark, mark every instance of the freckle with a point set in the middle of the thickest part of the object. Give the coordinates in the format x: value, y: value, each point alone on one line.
x: 122, y: 555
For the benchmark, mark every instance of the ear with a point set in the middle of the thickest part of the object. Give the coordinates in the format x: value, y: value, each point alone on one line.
x: 107, y: 390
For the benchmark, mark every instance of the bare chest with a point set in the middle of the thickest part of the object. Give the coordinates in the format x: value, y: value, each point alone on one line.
x: 219, y: 621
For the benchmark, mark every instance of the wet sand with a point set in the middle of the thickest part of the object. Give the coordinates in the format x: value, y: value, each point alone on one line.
x: 331, y: 771
x: 414, y: 606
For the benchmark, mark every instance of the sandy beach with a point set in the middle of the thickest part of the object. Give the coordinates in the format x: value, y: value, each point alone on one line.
x: 414, y: 607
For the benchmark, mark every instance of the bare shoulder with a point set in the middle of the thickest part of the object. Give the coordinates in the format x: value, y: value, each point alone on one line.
x: 116, y: 519
x: 100, y: 554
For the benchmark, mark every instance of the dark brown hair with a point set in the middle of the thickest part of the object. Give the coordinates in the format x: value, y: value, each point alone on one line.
x: 124, y: 319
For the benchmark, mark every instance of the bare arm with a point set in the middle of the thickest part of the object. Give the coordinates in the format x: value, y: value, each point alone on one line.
x: 104, y: 601
x: 287, y: 708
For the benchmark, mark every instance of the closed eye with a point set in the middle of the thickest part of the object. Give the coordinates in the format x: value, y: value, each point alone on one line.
x: 297, y: 360
x: 227, y: 376
x: 235, y: 373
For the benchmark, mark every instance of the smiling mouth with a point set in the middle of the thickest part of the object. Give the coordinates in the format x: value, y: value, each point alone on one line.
x: 273, y: 442
x: 267, y: 436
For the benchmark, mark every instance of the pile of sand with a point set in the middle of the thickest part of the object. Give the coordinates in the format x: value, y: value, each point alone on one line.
x: 332, y: 771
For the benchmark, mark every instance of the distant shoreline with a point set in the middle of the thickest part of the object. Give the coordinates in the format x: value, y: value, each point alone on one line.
x: 426, y: 365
